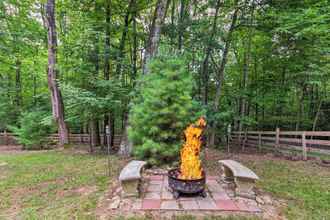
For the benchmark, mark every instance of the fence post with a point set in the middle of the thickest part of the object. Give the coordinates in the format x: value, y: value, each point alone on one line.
x: 259, y: 141
x: 81, y: 138
x: 303, y: 142
x: 277, y: 139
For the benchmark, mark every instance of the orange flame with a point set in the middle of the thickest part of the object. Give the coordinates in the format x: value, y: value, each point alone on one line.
x: 190, y: 167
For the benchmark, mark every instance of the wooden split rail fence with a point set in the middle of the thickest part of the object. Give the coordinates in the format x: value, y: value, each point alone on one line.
x: 304, y: 141
x: 10, y: 139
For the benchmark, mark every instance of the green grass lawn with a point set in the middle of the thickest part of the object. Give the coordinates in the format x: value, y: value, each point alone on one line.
x: 67, y: 185
x: 53, y: 184
x: 305, y: 186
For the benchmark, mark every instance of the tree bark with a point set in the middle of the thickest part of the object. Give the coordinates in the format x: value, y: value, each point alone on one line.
x: 181, y: 23
x: 126, y: 146
x: 18, y: 88
x: 123, y: 39
x: 246, y: 64
x: 205, y: 65
x: 317, y: 115
x: 220, y: 76
x: 35, y: 84
x: 151, y: 51
x: 56, y: 97
x: 106, y: 121
x: 135, y: 44
x: 107, y: 41
x: 154, y: 35
x: 301, y: 107
x: 94, y: 134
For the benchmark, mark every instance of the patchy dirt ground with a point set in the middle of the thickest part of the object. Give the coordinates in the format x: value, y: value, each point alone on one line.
x: 53, y: 184
x: 10, y: 149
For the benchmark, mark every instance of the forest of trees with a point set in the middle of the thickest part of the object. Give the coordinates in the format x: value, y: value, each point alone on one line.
x: 76, y: 66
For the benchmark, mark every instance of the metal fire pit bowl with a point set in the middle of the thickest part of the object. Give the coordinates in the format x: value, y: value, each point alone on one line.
x: 182, y: 186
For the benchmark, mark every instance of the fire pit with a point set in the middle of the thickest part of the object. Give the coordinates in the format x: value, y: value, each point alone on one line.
x: 182, y: 186
x: 190, y: 177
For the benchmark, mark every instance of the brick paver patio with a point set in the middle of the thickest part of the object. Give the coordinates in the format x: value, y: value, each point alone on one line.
x: 157, y: 196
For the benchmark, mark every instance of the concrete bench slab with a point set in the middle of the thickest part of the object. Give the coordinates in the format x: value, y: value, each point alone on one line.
x: 130, y: 177
x: 239, y: 170
x: 243, y: 177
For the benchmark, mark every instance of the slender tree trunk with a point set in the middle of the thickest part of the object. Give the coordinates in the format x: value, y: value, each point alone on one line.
x: 154, y: 35
x: 317, y: 115
x: 35, y: 85
x: 107, y: 120
x: 301, y: 108
x: 124, y: 142
x: 258, y: 89
x: 220, y: 77
x: 205, y: 65
x: 173, y: 31
x: 135, y: 44
x: 151, y: 51
x: 94, y: 134
x: 56, y: 97
x: 123, y: 38
x: 107, y: 41
x: 18, y: 87
x: 181, y: 23
x: 246, y: 64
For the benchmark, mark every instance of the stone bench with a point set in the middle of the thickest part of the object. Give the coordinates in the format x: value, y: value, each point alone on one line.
x: 243, y: 177
x: 130, y: 177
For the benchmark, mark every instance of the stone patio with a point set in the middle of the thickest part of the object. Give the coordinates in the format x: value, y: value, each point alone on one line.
x: 157, y: 196
x: 157, y: 201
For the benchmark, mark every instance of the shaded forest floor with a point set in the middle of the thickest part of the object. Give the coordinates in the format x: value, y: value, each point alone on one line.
x: 68, y: 184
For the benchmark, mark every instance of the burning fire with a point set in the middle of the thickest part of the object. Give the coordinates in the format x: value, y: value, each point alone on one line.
x: 190, y: 167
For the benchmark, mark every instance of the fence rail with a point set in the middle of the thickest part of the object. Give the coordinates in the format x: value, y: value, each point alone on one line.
x: 305, y: 141
x: 10, y: 139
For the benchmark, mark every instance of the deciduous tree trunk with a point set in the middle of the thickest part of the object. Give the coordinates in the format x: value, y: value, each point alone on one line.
x: 107, y: 41
x: 135, y: 43
x: 18, y: 88
x: 181, y: 23
x: 220, y: 76
x: 123, y: 39
x: 301, y: 107
x: 94, y: 58
x: 205, y: 65
x: 246, y: 63
x: 151, y: 51
x: 56, y: 97
x: 94, y: 134
x: 154, y: 35
x: 107, y: 117
x: 317, y: 115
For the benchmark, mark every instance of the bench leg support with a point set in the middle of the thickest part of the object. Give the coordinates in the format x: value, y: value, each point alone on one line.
x: 227, y: 174
x: 131, y: 188
x: 244, y: 188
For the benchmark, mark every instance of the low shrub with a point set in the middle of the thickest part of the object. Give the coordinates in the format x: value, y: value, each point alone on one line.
x: 35, y: 127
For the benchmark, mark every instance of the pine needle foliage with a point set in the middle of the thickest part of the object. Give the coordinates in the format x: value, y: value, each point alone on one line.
x: 163, y: 107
